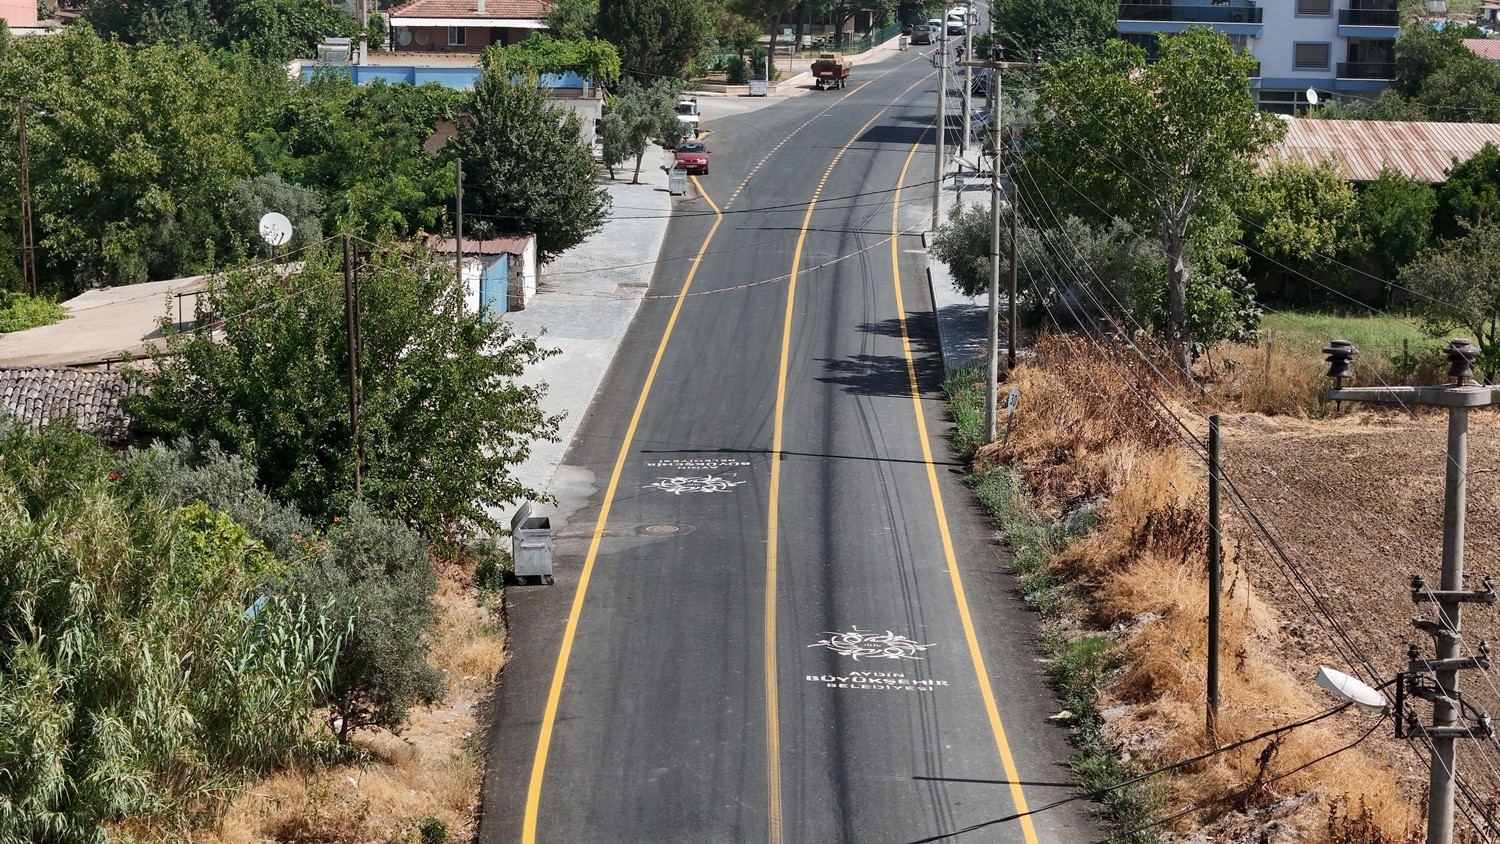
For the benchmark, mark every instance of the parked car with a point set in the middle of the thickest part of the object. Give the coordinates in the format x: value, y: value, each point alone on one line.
x: 692, y: 156
x: 935, y: 27
x: 687, y: 112
x: 921, y: 34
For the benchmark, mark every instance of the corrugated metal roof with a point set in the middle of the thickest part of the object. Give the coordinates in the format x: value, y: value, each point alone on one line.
x: 1422, y: 151
x: 1485, y: 48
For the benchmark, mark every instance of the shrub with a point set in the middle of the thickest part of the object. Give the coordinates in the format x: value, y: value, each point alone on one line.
x: 148, y: 670
x: 379, y: 573
x: 373, y: 575
x: 18, y: 312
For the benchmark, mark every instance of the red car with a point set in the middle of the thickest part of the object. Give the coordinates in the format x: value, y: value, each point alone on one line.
x: 692, y: 156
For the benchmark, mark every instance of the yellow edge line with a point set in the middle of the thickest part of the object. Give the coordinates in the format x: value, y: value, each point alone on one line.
x: 991, y: 709
x: 549, y: 716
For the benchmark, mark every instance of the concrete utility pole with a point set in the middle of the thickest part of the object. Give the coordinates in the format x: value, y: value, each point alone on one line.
x: 965, y: 142
x: 1436, y: 680
x: 942, y: 130
x: 997, y: 125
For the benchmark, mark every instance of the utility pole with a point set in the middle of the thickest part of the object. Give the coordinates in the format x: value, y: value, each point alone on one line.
x: 942, y: 129
x: 1436, y: 680
x: 964, y: 140
x: 1214, y: 576
x: 458, y: 220
x: 351, y: 338
x: 996, y: 64
x: 28, y: 239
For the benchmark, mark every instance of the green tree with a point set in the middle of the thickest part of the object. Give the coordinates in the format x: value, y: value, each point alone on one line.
x: 1471, y: 195
x: 1457, y: 283
x: 767, y: 12
x: 1447, y: 80
x: 656, y: 38
x: 154, y: 21
x: 526, y: 165
x: 1164, y: 146
x: 282, y: 30
x: 442, y: 420
x: 1303, y: 218
x: 1060, y: 28
x: 594, y: 60
x: 361, y: 147
x: 963, y: 243
x: 134, y: 156
x: 1396, y: 214
x: 572, y: 20
x: 641, y: 115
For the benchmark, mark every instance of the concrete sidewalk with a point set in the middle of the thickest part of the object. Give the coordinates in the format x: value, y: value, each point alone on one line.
x: 584, y: 303
x: 962, y: 321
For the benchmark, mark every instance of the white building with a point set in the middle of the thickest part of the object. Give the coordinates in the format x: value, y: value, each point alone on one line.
x: 1336, y: 47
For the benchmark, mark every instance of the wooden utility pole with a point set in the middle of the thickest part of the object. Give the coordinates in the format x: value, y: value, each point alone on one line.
x: 1214, y: 575
x: 458, y: 220
x: 997, y: 124
x: 28, y: 239
x: 351, y: 336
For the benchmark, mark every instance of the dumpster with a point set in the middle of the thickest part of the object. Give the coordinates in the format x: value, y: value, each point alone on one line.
x: 676, y: 181
x: 531, y: 544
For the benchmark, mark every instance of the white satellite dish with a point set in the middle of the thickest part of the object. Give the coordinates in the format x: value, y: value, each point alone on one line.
x: 1351, y: 689
x: 1312, y: 96
x: 403, y: 36
x: 275, y: 229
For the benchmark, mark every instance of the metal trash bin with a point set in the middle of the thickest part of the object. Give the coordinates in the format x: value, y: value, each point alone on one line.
x: 531, y: 544
x: 677, y: 181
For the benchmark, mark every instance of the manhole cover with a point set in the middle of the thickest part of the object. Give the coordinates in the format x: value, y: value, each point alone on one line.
x: 660, y: 529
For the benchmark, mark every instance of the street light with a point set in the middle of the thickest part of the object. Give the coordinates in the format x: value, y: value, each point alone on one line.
x: 1353, y: 690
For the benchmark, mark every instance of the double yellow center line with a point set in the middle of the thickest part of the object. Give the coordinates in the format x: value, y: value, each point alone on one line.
x: 772, y: 697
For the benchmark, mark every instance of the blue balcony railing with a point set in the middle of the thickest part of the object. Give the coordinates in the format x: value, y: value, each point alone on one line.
x: 1369, y: 17
x: 1367, y: 70
x: 1189, y: 13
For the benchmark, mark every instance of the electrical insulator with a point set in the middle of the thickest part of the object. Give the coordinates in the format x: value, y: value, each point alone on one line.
x: 1461, y: 354
x: 1036, y: 55
x: 997, y: 53
x: 1340, y: 354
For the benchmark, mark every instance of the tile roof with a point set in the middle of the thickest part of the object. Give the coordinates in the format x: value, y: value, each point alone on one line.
x: 511, y: 9
x: 1422, y: 151
x: 38, y: 395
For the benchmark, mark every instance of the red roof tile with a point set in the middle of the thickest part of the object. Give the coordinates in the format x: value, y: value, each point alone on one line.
x: 505, y: 9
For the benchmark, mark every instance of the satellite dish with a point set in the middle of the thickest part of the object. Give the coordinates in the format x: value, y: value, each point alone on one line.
x: 1312, y: 96
x: 403, y: 36
x: 1351, y: 689
x: 422, y: 37
x: 275, y: 229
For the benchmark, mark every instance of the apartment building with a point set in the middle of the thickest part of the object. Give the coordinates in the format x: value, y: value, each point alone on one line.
x: 1338, y: 48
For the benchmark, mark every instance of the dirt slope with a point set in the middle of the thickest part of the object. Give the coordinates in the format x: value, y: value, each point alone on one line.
x: 1357, y: 503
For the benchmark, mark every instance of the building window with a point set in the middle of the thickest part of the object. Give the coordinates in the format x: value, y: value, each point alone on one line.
x: 1311, y: 56
x: 1321, y: 8
x: 457, y: 36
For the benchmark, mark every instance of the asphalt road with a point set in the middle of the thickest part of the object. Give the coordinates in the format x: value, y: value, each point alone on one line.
x: 779, y: 617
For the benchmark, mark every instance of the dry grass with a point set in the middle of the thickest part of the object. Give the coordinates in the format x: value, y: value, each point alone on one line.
x: 431, y: 772
x: 1083, y: 433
